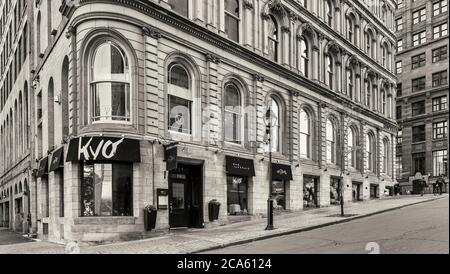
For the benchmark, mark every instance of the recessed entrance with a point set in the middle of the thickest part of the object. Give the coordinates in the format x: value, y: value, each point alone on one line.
x: 356, y: 191
x: 186, y: 196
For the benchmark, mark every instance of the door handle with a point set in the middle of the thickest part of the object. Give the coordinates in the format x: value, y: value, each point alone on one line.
x: 170, y: 207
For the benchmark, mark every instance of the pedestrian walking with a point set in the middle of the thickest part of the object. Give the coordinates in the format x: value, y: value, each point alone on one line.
x: 440, y: 184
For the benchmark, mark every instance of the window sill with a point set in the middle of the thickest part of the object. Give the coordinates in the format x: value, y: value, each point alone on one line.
x: 105, y: 220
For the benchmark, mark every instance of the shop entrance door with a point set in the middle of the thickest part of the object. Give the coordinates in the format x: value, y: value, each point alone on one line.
x: 185, y: 196
x: 356, y: 191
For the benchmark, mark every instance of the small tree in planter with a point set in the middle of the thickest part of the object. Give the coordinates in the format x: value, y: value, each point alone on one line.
x: 213, y: 210
x: 150, y: 213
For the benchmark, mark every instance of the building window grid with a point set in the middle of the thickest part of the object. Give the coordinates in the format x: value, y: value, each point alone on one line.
x: 419, y: 16
x: 440, y: 7
x: 419, y: 134
x: 418, y: 61
x: 418, y: 108
x: 439, y: 78
x: 440, y: 130
x: 440, y: 31
x: 440, y: 54
x: 418, y: 84
x: 440, y: 163
x: 419, y: 38
x: 440, y: 103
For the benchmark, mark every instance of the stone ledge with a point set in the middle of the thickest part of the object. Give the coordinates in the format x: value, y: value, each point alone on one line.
x: 105, y: 220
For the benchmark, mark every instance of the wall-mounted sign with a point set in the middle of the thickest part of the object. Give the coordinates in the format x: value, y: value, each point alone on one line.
x: 43, y: 167
x: 57, y: 159
x: 281, y: 172
x: 104, y: 149
x: 171, y: 156
x: 240, y: 166
x: 162, y: 198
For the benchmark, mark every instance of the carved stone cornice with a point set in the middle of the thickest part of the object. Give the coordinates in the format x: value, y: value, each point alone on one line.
x: 248, y: 4
x: 151, y: 32
x: 258, y: 77
x: 212, y: 58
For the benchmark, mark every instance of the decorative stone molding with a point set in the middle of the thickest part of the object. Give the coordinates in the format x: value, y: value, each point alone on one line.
x: 285, y: 29
x: 248, y: 4
x: 213, y: 58
x: 294, y: 93
x: 258, y: 77
x: 151, y: 32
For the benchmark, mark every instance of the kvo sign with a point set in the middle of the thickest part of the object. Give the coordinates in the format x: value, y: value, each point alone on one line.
x: 104, y: 149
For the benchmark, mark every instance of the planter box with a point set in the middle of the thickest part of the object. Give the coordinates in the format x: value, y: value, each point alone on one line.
x: 150, y: 220
x: 213, y: 211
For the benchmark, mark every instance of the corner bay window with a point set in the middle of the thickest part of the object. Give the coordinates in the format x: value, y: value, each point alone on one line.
x: 106, y: 189
x: 110, y: 84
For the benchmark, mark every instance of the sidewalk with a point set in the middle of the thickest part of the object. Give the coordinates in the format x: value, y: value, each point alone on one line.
x: 198, y: 240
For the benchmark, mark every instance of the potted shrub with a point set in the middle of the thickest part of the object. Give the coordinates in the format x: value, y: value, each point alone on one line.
x: 150, y: 213
x: 213, y: 210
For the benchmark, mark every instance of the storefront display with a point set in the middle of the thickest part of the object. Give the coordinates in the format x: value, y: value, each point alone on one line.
x: 335, y: 198
x: 279, y: 194
x: 310, y: 192
x: 238, y: 172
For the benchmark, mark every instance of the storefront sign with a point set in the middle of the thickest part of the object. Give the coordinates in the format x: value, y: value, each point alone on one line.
x: 171, y: 156
x: 57, y: 159
x: 104, y: 149
x: 240, y: 166
x: 42, y: 168
x: 281, y: 172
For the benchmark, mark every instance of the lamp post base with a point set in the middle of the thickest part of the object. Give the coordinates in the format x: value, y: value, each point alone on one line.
x: 269, y: 214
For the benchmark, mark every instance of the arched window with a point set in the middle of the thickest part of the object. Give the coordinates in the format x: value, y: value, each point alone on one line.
x: 330, y: 70
x: 331, y: 142
x: 304, y: 56
x: 233, y: 114
x: 383, y: 101
x: 232, y: 19
x: 350, y: 82
x: 50, y: 115
x: 110, y: 83
x: 27, y: 130
x: 328, y: 13
x: 21, y: 141
x: 385, y: 157
x: 352, y: 142
x: 273, y: 38
x: 383, y: 56
x: 275, y: 129
x: 370, y: 150
x: 65, y: 98
x: 180, y: 6
x: 38, y: 35
x: 305, y: 135
x: 180, y: 99
x: 369, y: 41
x: 350, y: 29
x: 368, y: 93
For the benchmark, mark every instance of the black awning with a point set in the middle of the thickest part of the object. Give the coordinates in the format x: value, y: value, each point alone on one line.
x: 57, y: 159
x: 281, y: 172
x: 42, y: 168
x: 240, y: 166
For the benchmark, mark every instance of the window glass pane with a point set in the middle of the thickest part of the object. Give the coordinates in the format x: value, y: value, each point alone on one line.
x: 179, y: 6
x: 106, y: 190
x: 111, y: 101
x: 178, y: 76
x: 179, y: 115
x: 279, y: 194
x: 237, y: 188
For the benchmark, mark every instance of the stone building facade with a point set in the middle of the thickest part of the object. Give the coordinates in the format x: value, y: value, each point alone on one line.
x: 16, y: 156
x: 422, y: 102
x: 164, y: 103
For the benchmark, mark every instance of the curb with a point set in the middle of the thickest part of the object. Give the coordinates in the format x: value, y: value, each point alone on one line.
x: 304, y: 229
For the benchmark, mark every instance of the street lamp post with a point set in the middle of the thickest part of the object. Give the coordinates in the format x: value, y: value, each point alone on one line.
x: 268, y: 121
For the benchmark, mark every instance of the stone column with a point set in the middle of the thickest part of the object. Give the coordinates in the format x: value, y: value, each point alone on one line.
x: 286, y: 41
x: 247, y: 25
x: 152, y: 88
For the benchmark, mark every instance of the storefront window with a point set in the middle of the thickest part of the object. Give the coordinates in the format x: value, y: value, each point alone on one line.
x: 237, y: 195
x: 335, y: 191
x: 106, y: 190
x: 310, y: 192
x: 279, y: 194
